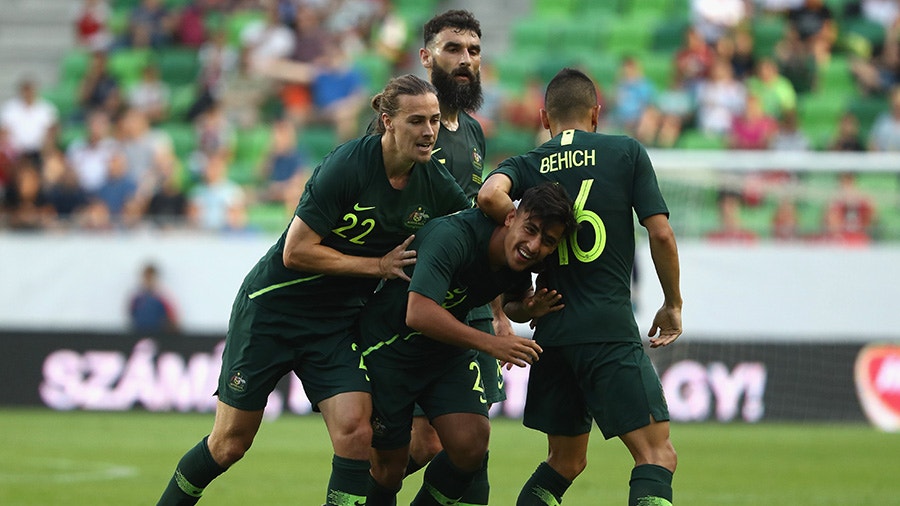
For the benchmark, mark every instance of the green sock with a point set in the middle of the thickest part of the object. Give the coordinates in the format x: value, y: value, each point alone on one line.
x: 443, y: 483
x: 194, y: 472
x: 348, y: 483
x: 651, y: 485
x: 378, y: 495
x: 545, y: 488
x: 412, y: 466
x: 479, y: 490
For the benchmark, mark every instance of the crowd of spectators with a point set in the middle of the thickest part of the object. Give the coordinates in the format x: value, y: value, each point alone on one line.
x: 116, y: 161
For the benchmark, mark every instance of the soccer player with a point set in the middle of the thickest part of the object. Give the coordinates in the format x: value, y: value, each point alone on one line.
x: 419, y: 350
x: 594, y: 365
x: 452, y: 57
x: 295, y: 310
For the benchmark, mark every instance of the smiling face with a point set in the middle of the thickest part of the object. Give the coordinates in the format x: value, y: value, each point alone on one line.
x: 415, y: 126
x: 529, y: 241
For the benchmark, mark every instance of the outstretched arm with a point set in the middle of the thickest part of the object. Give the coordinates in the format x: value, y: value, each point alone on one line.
x: 664, y: 252
x: 428, y: 317
x: 493, y: 198
x: 304, y: 251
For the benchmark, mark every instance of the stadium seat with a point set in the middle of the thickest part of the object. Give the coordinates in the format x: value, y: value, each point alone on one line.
x: 74, y: 64
x: 835, y: 77
x: 181, y: 99
x: 178, y: 66
x: 509, y: 141
x: 659, y: 69
x: 867, y: 110
x: 184, y: 139
x: 267, y: 217
x: 871, y: 31
x: 127, y: 64
x: 244, y: 172
x: 632, y: 34
x: 376, y: 70
x: 767, y: 30
x: 694, y: 139
x: 64, y: 95
x: 317, y: 141
x: 817, y: 108
x: 668, y: 35
x: 252, y: 144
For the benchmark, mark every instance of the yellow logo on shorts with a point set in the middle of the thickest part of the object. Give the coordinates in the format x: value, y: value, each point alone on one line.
x: 237, y: 382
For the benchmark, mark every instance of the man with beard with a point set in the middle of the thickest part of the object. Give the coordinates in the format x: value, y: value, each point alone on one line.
x: 452, y: 57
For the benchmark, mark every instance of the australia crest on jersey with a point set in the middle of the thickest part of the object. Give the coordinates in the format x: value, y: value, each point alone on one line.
x: 417, y: 218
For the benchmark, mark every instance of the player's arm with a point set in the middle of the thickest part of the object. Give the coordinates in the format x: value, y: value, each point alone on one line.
x: 304, y: 251
x: 664, y: 252
x: 493, y: 197
x: 425, y: 315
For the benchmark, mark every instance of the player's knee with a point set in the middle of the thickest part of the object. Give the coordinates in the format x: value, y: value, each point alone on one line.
x: 229, y: 449
x: 569, y: 466
x: 470, y: 456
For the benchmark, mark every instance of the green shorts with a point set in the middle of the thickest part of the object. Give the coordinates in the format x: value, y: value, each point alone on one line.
x: 453, y: 385
x: 612, y: 383
x: 494, y: 390
x: 262, y: 346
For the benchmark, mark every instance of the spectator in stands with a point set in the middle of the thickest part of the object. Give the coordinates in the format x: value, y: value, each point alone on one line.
x: 190, y: 25
x: 150, y: 310
x: 784, y: 221
x: 339, y: 93
x: 730, y: 227
x: 693, y: 60
x: 834, y: 230
x: 715, y: 19
x: 884, y: 12
x: 795, y: 62
x: 741, y: 54
x: 63, y: 189
x: 789, y: 136
x: 877, y: 74
x: 243, y: 93
x: 141, y: 145
x: 215, y: 136
x: 851, y: 212
x: 98, y: 88
x: 92, y: 25
x: 8, y: 157
x: 267, y: 40
x: 25, y: 201
x: 720, y: 99
x: 885, y: 133
x: 390, y: 35
x: 634, y: 93
x: 753, y: 129
x: 30, y: 121
x: 89, y: 156
x: 662, y: 122
x: 167, y: 207
x: 285, y: 169
x: 217, y: 60
x: 816, y: 27
x: 848, y: 137
x: 119, y: 192
x: 216, y: 203
x: 774, y: 90
x: 309, y: 49
x: 777, y: 7
x: 151, y: 95
x: 151, y: 24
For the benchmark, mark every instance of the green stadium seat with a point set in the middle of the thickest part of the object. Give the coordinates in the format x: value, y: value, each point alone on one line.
x: 694, y: 139
x: 510, y: 141
x: 668, y: 35
x: 767, y: 30
x: 252, y: 144
x: 537, y: 34
x: 556, y: 7
x: 871, y: 31
x: 377, y: 70
x: 659, y: 69
x: 867, y: 110
x: 178, y: 66
x: 268, y: 217
x: 74, y: 65
x: 184, y: 138
x: 70, y: 133
x: 317, y: 141
x: 65, y: 97
x: 244, y: 172
x: 127, y: 64
x: 181, y: 99
x: 632, y: 34
x: 835, y: 77
x: 817, y: 108
x: 237, y: 21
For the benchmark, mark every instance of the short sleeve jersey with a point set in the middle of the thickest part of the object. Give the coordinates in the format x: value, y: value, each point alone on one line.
x: 610, y: 178
x: 350, y: 202
x: 462, y: 152
x: 451, y: 269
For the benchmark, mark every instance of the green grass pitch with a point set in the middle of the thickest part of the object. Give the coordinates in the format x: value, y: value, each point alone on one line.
x: 81, y: 458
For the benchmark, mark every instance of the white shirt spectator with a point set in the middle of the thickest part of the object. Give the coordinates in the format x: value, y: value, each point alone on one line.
x: 28, y: 124
x: 91, y: 162
x: 884, y: 12
x: 715, y: 18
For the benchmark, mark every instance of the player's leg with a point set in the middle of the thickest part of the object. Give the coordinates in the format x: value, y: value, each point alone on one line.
x: 634, y: 409
x: 555, y: 405
x: 654, y: 464
x: 465, y: 439
x: 388, y: 471
x: 425, y: 443
x: 455, y: 403
x: 252, y: 364
x: 232, y: 434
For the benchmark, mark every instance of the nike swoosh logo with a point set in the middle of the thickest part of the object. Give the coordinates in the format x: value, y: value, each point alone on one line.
x: 357, y: 207
x: 433, y: 151
x: 443, y: 160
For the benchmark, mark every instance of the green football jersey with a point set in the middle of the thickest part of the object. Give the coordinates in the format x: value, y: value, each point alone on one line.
x: 451, y: 269
x: 610, y: 178
x: 462, y: 152
x: 350, y: 202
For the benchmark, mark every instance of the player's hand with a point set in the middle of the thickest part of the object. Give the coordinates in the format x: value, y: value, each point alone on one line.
x: 668, y: 323
x: 542, y: 302
x: 391, y: 266
x: 515, y: 350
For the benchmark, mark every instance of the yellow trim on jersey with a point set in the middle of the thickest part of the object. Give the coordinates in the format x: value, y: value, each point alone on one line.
x: 282, y: 285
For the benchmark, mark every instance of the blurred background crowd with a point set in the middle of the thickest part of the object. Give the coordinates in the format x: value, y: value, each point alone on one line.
x: 210, y: 114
